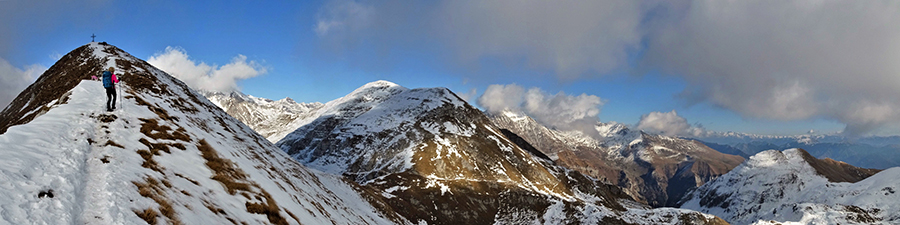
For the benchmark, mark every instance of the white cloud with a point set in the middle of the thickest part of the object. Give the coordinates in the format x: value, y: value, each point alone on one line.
x: 559, y: 111
x: 669, y: 124
x: 785, y: 60
x: 176, y: 62
x: 498, y: 97
x: 13, y: 80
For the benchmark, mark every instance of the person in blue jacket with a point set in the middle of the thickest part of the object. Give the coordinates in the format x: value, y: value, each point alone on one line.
x: 109, y: 82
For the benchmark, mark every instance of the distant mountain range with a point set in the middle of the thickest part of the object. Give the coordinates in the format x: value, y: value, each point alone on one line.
x: 653, y: 169
x: 869, y: 152
x: 441, y: 161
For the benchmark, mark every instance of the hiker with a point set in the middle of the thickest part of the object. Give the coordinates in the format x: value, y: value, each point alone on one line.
x: 109, y: 81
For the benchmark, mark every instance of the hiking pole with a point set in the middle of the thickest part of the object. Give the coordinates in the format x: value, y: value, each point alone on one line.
x: 121, y: 106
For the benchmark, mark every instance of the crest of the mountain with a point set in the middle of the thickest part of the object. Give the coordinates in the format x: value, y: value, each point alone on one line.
x: 166, y: 155
x: 791, y: 185
x: 653, y: 169
x: 271, y: 119
x: 437, y: 159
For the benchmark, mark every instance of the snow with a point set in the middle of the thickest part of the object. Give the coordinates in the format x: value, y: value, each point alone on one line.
x: 515, y: 117
x: 272, y: 119
x: 65, y: 150
x: 378, y: 107
x: 85, y: 189
x: 789, y: 188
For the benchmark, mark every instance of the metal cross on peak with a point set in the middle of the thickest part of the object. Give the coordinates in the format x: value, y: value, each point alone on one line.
x: 92, y: 37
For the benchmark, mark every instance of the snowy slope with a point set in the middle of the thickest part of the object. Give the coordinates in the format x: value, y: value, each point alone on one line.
x: 652, y: 169
x: 436, y: 159
x: 784, y: 186
x: 167, y: 155
x: 271, y: 119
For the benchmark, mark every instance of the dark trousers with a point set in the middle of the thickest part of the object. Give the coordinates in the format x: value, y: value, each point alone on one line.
x: 111, y: 96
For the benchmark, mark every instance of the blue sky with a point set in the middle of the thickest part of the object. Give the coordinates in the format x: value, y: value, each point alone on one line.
x: 772, y: 76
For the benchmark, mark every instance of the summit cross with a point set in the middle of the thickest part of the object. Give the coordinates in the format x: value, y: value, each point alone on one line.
x: 92, y: 37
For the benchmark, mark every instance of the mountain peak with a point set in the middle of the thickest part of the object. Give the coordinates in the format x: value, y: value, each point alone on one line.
x: 791, y: 185
x: 166, y: 155
x: 51, y: 87
x: 378, y: 86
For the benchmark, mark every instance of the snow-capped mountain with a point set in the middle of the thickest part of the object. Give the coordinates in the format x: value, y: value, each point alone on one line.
x: 271, y: 119
x: 731, y: 138
x: 871, y: 152
x: 793, y: 186
x: 165, y: 156
x: 438, y: 160
x: 652, y: 169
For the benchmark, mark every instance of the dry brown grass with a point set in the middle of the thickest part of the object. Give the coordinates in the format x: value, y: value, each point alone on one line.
x: 151, y: 189
x: 149, y: 163
x: 152, y: 129
x: 155, y: 148
x: 224, y: 170
x: 268, y: 208
x: 149, y: 215
x: 234, y: 181
x: 213, y: 208
x: 178, y: 146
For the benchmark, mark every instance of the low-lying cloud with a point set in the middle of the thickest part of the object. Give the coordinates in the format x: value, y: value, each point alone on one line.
x: 669, y: 124
x: 177, y: 63
x: 13, y: 80
x: 559, y: 111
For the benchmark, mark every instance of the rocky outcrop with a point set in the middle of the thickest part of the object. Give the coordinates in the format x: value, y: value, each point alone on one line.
x: 837, y: 171
x: 652, y: 169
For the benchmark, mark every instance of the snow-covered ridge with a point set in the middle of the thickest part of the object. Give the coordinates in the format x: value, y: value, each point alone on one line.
x: 272, y: 118
x: 783, y: 186
x: 376, y: 107
x: 167, y: 155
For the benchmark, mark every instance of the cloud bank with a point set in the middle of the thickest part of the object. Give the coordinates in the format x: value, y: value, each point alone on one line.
x: 778, y: 60
x: 559, y: 111
x: 669, y: 124
x: 786, y: 60
x: 13, y: 80
x: 176, y: 62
